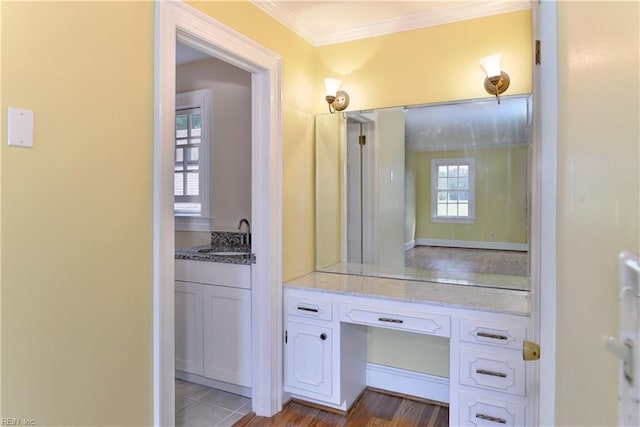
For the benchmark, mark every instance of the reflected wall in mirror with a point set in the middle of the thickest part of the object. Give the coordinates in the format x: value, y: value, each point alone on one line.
x: 434, y: 192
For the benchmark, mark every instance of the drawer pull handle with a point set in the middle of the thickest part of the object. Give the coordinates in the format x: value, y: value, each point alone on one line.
x: 494, y: 336
x: 313, y: 310
x: 387, y: 319
x: 492, y: 419
x: 491, y: 373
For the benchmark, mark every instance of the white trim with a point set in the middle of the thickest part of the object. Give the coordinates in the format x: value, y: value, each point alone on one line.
x: 410, y: 245
x: 543, y: 272
x: 473, y: 244
x: 408, y: 382
x: 445, y: 15
x: 176, y: 20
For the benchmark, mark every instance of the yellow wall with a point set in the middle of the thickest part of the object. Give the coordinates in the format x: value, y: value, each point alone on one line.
x: 77, y: 215
x: 327, y: 193
x: 501, y: 189
x: 598, y: 197
x: 1, y: 133
x: 298, y: 100
x: 429, y: 65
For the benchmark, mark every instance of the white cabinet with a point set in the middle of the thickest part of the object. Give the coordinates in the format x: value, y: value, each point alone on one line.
x: 477, y: 410
x: 325, y: 360
x: 227, y: 334
x: 188, y: 327
x: 488, y: 374
x: 309, y: 358
x: 213, y: 323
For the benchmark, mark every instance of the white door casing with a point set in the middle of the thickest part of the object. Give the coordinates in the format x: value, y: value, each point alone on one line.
x: 543, y: 216
x: 177, y: 21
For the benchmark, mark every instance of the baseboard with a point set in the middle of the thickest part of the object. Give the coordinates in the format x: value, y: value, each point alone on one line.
x: 417, y: 384
x: 503, y: 246
x: 409, y: 245
x: 220, y: 385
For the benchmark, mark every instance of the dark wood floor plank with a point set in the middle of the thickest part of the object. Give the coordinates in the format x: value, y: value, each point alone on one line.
x: 443, y: 418
x: 373, y: 409
x: 408, y: 414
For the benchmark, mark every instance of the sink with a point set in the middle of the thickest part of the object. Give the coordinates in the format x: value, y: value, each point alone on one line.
x: 222, y: 253
x: 230, y: 253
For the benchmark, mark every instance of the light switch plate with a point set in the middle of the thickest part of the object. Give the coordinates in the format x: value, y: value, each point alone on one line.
x: 20, y: 127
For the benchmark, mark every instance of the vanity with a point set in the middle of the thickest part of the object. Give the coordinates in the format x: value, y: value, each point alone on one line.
x: 326, y: 321
x: 422, y: 227
x: 213, y: 316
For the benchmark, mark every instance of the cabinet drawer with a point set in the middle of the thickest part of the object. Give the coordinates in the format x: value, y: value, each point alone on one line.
x: 500, y: 371
x: 213, y: 273
x: 478, y: 411
x: 480, y: 332
x: 422, y: 323
x: 310, y: 308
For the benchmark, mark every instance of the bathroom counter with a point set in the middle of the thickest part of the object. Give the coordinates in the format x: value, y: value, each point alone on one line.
x: 506, y: 301
x: 210, y: 253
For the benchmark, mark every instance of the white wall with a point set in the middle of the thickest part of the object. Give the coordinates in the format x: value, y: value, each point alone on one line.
x: 410, y: 195
x: 389, y: 144
x: 230, y: 141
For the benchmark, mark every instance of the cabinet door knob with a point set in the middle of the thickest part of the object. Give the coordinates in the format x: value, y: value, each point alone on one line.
x: 323, y: 336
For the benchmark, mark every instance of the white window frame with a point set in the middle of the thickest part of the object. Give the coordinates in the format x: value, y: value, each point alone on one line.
x: 434, y: 190
x: 198, y: 99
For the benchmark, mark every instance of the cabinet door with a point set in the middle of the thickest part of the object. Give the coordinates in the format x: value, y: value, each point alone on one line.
x: 188, y: 327
x: 308, y: 359
x: 227, y: 334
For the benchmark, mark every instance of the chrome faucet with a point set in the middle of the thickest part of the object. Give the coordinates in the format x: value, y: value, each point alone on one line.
x: 246, y: 240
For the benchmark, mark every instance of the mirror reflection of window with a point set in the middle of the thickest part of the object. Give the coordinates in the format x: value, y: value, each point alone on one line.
x: 439, y: 192
x: 452, y: 195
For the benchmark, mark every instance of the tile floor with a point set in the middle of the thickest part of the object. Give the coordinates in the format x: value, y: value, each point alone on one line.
x: 200, y: 406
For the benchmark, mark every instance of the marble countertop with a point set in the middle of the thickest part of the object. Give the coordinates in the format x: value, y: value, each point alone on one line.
x: 223, y: 254
x: 505, y: 301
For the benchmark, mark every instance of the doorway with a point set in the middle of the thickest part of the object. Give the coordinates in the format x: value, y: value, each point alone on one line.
x: 179, y: 22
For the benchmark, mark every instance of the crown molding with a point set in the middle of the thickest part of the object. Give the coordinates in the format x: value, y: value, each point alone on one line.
x: 283, y: 15
x: 469, y: 10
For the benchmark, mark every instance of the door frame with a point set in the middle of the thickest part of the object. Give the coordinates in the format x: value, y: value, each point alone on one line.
x: 178, y: 21
x: 543, y: 254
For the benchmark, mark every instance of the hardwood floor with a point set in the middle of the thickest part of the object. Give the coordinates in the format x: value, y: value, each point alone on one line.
x: 374, y: 408
x: 489, y: 261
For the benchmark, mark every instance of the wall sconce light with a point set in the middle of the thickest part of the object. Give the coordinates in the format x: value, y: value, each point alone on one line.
x: 338, y: 99
x: 497, y: 81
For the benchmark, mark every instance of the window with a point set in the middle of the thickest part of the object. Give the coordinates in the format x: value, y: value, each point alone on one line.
x: 191, y: 167
x: 452, y: 190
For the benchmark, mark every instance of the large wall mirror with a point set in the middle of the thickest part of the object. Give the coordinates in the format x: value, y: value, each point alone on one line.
x: 437, y: 192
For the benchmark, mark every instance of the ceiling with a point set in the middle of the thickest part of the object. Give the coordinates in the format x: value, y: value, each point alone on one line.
x: 469, y: 124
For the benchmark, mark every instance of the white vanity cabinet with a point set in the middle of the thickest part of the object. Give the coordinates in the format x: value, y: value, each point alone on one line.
x: 326, y: 321
x: 324, y: 360
x: 489, y: 371
x: 188, y: 327
x: 227, y: 334
x: 213, y: 323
